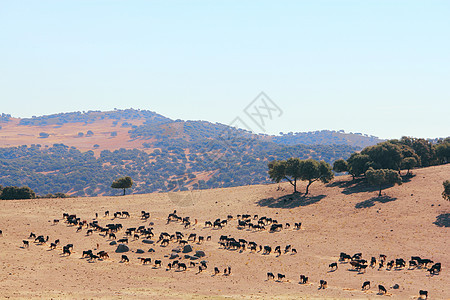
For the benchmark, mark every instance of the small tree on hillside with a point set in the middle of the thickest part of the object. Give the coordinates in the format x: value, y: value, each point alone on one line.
x: 383, y: 177
x: 289, y: 170
x: 122, y: 183
x: 446, y: 192
x: 311, y: 170
x: 409, y: 163
x: 340, y: 166
x: 358, y: 164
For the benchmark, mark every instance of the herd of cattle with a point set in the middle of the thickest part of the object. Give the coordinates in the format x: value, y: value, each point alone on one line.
x: 244, y: 221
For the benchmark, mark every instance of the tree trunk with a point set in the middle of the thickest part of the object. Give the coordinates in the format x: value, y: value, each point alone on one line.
x: 124, y: 192
x: 379, y: 194
x: 307, y: 188
x: 295, y: 186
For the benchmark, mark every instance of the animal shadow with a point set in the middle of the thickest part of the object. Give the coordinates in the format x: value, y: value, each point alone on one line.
x: 290, y: 201
x: 371, y: 202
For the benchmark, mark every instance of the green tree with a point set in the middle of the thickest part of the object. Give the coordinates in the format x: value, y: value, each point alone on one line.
x: 409, y: 163
x: 443, y: 152
x: 340, y: 166
x: 122, y: 183
x: 14, y: 192
x: 384, y: 155
x: 288, y: 170
x: 311, y: 170
x: 446, y: 192
x: 382, y: 177
x: 358, y: 164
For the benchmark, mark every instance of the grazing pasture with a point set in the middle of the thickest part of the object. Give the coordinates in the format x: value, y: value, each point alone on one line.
x: 226, y: 245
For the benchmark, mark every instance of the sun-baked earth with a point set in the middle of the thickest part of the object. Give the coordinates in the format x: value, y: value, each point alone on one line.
x: 410, y: 220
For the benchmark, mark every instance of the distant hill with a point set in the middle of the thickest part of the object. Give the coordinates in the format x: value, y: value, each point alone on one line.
x: 81, y: 153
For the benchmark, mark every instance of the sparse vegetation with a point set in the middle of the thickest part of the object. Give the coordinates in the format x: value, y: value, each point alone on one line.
x: 16, y: 193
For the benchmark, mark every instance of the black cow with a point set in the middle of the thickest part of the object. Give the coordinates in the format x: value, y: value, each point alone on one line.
x: 423, y: 293
x: 323, y: 284
x: 270, y: 276
x: 125, y: 258
x: 303, y: 279
x: 366, y: 285
x: 381, y: 289
x: 280, y: 277
x: 333, y: 266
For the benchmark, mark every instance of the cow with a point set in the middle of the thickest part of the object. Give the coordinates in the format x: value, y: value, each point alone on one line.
x: 26, y: 244
x: 399, y: 263
x: 125, y: 259
x: 435, y: 269
x: 423, y: 294
x: 303, y: 279
x: 366, y: 285
x: 124, y: 240
x: 182, y: 266
x: 280, y: 277
x: 323, y: 284
x: 103, y: 254
x: 216, y: 270
x: 333, y: 266
x: 145, y: 260
x: 381, y: 290
x: 158, y: 263
x: 55, y: 221
x: 344, y: 256
x: 201, y: 239
x: 267, y: 250
x: 270, y: 276
x: 373, y: 262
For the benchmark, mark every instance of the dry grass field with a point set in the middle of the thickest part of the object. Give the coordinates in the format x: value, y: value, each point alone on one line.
x: 335, y: 218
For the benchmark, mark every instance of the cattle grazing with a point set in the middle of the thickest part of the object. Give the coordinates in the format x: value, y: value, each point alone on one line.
x: 158, y: 263
x: 216, y: 270
x: 435, y: 269
x: 344, y: 256
x: 390, y: 264
x: 208, y: 238
x: 276, y: 227
x: 287, y: 248
x: 86, y: 253
x: 400, y: 263
x: 124, y: 240
x: 381, y: 264
x: 298, y: 226
x: 182, y: 266
x: 136, y: 236
x: 412, y: 264
x: 373, y: 262
x: 66, y: 250
x: 55, y: 221
x: 229, y: 270
x: 280, y: 277
x: 125, y: 214
x: 208, y: 224
x: 103, y: 254
x: 52, y: 246
x: 112, y: 236
x: 323, y: 284
x: 107, y: 213
x: 192, y: 264
x: 267, y: 250
x: 423, y: 294
x: 270, y: 276
x: 26, y: 244
x: 303, y: 279
x: 32, y: 236
x: 145, y: 260
x: 381, y: 289
x: 383, y: 257
x: 357, y: 256
x: 333, y: 266
x: 89, y: 232
x: 165, y: 242
x: 125, y: 259
x: 192, y: 237
x: 366, y: 285
x: 201, y: 239
x: 277, y: 250
x: 294, y: 251
x: 425, y: 262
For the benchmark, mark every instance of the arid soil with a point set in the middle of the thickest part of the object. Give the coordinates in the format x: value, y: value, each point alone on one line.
x: 338, y: 217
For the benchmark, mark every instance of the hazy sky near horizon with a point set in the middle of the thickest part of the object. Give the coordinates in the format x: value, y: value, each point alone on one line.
x: 377, y: 67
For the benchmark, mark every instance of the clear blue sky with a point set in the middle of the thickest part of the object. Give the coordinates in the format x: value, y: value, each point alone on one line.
x: 377, y: 67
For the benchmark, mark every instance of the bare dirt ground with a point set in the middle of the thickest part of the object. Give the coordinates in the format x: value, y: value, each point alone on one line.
x: 335, y: 218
